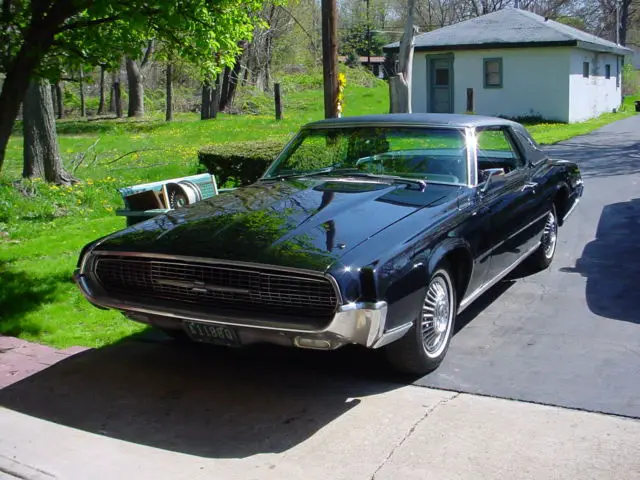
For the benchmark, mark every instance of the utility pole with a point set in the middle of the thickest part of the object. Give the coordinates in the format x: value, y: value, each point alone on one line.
x: 617, y: 22
x: 368, y: 38
x: 330, y: 57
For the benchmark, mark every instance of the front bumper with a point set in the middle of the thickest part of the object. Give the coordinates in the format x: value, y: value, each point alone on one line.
x: 354, y: 323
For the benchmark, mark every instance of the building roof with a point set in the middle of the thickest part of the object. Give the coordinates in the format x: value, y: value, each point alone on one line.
x: 510, y: 28
x: 453, y: 120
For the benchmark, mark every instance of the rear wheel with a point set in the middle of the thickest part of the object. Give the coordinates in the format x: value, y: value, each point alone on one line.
x: 543, y: 256
x: 424, y: 347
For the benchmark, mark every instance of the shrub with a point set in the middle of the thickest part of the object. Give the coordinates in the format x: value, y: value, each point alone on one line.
x: 239, y: 163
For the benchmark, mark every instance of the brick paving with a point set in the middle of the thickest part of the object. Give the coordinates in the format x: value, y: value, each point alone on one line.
x: 20, y: 359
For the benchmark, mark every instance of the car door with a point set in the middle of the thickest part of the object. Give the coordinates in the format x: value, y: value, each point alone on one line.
x: 510, y: 199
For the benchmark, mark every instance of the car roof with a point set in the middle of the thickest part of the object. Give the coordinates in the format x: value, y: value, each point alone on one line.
x: 451, y: 120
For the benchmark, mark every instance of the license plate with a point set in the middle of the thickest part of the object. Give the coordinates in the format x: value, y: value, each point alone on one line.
x: 208, y: 333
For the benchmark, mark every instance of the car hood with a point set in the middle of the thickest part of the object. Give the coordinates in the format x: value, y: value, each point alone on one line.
x: 302, y: 223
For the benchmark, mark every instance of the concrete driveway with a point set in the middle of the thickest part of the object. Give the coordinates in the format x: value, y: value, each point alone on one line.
x: 146, y: 408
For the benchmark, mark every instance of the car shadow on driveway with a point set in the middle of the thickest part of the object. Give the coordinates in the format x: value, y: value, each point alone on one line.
x: 201, y: 400
x: 207, y: 401
x: 611, y: 263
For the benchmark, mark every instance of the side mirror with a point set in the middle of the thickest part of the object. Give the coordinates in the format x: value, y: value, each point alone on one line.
x: 489, y: 173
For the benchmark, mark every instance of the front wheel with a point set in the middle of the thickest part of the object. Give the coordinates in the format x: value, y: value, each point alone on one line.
x: 543, y: 256
x: 424, y: 347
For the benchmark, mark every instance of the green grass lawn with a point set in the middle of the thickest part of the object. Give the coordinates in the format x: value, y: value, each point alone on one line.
x: 42, y: 227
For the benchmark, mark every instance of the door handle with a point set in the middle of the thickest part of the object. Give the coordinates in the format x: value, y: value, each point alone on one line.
x: 530, y: 186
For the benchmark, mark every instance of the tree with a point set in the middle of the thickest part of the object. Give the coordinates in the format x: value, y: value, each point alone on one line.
x: 41, y: 154
x: 38, y: 37
x: 400, y: 84
x: 363, y: 40
x: 168, y: 116
x: 101, y: 101
x: 135, y: 79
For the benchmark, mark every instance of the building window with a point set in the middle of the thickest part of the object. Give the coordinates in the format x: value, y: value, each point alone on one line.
x: 607, y: 71
x: 492, y: 73
x: 585, y: 69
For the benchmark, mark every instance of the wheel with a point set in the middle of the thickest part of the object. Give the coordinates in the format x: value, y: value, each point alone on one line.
x: 424, y: 347
x: 543, y: 256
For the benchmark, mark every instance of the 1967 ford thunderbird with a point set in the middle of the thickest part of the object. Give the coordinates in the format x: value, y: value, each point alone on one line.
x: 373, y: 230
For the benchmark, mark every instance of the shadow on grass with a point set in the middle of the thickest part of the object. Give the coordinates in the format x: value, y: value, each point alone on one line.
x: 21, y: 293
x: 201, y: 400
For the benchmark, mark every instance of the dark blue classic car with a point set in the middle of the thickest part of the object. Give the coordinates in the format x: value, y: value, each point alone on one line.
x: 372, y: 230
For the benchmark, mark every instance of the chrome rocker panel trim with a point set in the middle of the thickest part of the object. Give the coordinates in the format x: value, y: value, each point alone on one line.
x: 361, y: 323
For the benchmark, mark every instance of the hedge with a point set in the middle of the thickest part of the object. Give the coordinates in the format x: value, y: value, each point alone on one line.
x: 240, y: 163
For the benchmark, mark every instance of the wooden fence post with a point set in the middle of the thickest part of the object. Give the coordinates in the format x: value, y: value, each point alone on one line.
x: 278, y: 100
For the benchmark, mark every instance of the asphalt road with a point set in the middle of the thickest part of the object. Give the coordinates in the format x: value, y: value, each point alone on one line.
x: 568, y: 336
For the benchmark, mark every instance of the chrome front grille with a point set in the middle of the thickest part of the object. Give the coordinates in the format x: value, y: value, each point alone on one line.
x: 205, y: 287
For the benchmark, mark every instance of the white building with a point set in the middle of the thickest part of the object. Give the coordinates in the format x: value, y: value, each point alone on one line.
x: 515, y: 63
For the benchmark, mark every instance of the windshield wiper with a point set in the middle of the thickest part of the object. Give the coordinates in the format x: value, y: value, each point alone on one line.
x: 412, y: 182
x: 354, y: 172
x: 300, y: 174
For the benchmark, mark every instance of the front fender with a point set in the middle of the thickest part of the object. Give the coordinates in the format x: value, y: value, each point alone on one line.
x: 444, y: 248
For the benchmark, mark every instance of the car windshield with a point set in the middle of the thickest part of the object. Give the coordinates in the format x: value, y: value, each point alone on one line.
x: 436, y: 155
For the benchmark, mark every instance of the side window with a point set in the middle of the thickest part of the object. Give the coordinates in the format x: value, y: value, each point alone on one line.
x: 496, y: 149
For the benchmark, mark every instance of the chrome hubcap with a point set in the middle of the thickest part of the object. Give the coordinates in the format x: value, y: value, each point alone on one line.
x: 550, y: 235
x: 436, y: 316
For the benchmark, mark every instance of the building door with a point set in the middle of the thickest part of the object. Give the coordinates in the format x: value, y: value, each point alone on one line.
x: 441, y: 82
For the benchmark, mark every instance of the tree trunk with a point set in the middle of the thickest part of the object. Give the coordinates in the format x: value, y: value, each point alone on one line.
x: 169, y: 108
x: 205, y: 108
x: 59, y: 100
x: 117, y: 97
x: 400, y: 84
x: 215, y: 98
x: 101, y: 102
x: 136, y: 89
x: 228, y: 95
x: 224, y: 89
x: 53, y: 98
x: 112, y: 105
x: 13, y: 90
x: 83, y: 106
x: 41, y: 155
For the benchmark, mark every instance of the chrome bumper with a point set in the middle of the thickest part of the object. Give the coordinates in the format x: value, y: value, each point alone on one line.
x: 357, y: 323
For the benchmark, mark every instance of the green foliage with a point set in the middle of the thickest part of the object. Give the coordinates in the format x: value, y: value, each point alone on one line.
x: 575, y: 22
x: 630, y: 80
x: 362, y: 42
x: 95, y: 32
x: 239, y: 163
